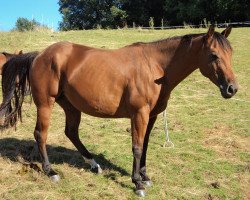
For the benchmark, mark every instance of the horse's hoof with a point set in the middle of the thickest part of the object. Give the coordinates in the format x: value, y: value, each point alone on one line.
x: 140, y: 193
x: 148, y: 183
x: 97, y: 169
x: 55, y: 178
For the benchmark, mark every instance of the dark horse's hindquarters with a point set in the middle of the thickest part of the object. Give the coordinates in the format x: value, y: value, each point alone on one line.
x: 134, y: 82
x: 15, y: 85
x: 4, y: 57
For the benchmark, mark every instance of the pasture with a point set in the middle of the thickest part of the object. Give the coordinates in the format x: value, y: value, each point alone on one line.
x: 210, y: 160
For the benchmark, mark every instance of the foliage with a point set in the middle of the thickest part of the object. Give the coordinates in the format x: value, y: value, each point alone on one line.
x: 193, y: 12
x: 118, y: 16
x: 23, y: 24
x: 87, y: 14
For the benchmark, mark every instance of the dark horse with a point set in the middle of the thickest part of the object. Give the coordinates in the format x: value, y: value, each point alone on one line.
x: 132, y: 82
x: 4, y: 57
x: 14, y: 87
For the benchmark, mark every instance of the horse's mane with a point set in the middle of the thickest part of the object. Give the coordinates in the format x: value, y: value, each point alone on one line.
x: 221, y: 39
x: 186, y: 38
x: 15, y: 84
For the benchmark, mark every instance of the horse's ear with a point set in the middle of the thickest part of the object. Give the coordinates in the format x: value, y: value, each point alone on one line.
x: 19, y: 52
x: 210, y: 33
x: 227, y: 31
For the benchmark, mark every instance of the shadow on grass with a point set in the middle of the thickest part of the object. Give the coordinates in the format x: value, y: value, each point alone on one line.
x: 12, y: 148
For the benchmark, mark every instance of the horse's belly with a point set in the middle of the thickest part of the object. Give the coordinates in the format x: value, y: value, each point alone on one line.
x: 99, y: 103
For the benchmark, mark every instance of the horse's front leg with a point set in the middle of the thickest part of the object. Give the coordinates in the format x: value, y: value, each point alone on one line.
x: 145, y: 178
x: 139, y: 123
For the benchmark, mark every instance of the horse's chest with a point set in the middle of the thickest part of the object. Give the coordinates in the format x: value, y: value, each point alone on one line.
x: 161, y: 102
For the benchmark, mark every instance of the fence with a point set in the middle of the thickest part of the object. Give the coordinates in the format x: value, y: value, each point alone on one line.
x: 219, y: 25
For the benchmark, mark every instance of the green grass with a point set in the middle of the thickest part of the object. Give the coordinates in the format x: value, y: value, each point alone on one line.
x: 211, y: 135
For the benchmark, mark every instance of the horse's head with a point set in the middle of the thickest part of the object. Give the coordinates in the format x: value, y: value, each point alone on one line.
x: 215, y: 62
x: 2, y: 61
x: 4, y: 57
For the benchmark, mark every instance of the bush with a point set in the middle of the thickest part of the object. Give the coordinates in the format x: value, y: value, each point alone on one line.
x: 23, y: 24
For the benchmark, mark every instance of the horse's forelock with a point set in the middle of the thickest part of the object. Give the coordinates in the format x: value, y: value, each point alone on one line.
x: 223, y: 41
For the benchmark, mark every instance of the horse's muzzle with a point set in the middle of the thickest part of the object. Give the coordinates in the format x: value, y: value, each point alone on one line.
x: 228, y: 90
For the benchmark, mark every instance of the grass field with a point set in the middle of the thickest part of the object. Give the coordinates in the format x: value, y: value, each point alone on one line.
x: 210, y: 160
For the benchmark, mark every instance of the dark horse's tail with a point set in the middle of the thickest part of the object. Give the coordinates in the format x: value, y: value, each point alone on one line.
x: 15, y: 85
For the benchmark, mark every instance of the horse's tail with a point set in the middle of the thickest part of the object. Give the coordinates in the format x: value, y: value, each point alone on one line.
x: 15, y: 84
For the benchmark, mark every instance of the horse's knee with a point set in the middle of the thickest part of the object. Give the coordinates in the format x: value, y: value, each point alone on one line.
x: 137, y: 151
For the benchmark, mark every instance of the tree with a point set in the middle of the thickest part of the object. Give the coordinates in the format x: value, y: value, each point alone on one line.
x: 88, y: 14
x: 118, y: 16
x: 195, y: 11
x: 23, y: 24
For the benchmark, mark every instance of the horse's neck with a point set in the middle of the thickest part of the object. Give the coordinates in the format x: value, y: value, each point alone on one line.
x: 178, y: 61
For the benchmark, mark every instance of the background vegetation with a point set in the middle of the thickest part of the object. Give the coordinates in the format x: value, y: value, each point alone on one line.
x: 89, y: 14
x: 23, y: 24
x: 210, y: 160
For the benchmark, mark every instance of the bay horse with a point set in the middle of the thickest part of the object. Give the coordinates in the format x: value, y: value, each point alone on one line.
x: 131, y: 82
x: 4, y: 57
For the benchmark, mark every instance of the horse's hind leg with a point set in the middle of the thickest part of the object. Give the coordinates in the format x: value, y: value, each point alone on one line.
x: 73, y: 118
x: 40, y: 133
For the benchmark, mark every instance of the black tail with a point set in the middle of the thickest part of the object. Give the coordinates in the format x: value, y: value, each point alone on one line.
x: 15, y: 84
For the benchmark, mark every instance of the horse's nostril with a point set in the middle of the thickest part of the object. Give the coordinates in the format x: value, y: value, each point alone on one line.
x: 231, y: 89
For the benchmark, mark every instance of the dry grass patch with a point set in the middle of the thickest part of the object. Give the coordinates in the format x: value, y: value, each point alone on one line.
x: 225, y: 142
x: 228, y: 146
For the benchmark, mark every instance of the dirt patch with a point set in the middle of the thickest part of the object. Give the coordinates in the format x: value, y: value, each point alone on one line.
x: 215, y: 185
x: 210, y: 197
x: 227, y: 146
x: 225, y: 143
x: 244, y: 180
